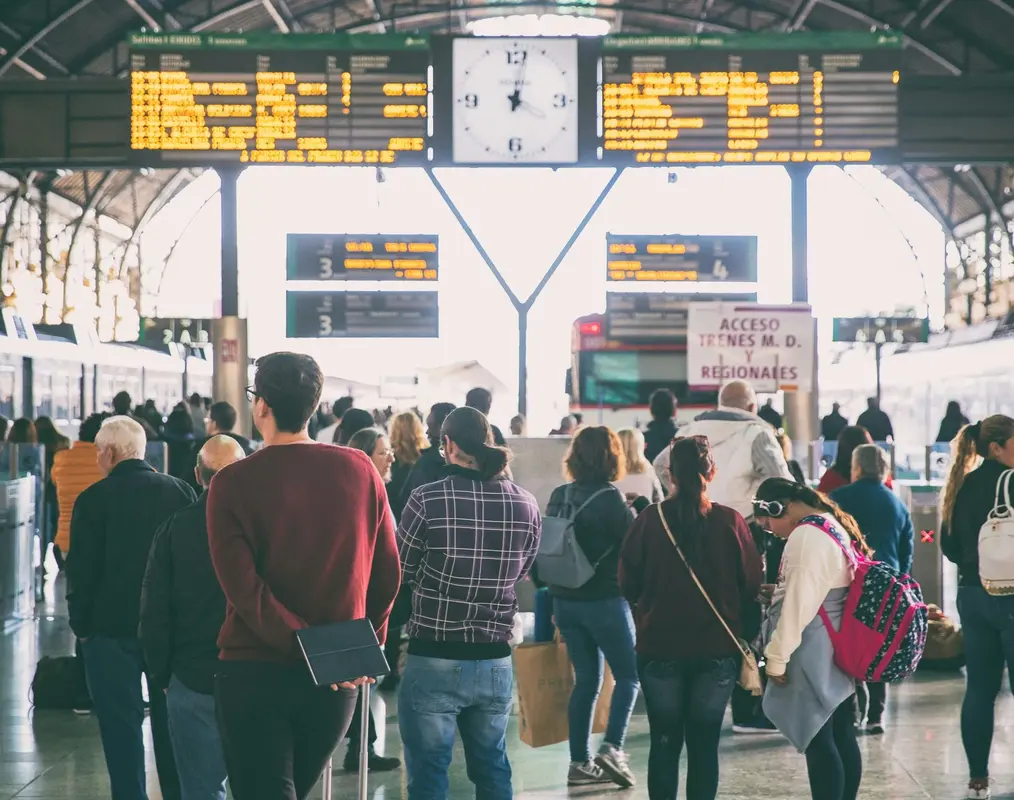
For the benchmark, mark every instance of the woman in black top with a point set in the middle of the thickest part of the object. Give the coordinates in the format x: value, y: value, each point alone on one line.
x: 595, y: 620
x: 987, y: 620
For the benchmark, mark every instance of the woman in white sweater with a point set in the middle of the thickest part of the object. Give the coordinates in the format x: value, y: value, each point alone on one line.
x: 808, y: 697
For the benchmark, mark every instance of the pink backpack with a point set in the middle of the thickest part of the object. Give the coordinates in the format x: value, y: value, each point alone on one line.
x: 885, y: 621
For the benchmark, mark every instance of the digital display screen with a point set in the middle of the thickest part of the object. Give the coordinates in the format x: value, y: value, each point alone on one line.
x: 751, y: 99
x: 272, y: 99
x: 677, y: 258
x: 361, y: 315
x: 880, y: 330
x: 348, y: 257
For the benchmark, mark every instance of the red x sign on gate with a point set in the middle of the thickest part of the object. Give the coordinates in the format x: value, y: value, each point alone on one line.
x: 926, y: 537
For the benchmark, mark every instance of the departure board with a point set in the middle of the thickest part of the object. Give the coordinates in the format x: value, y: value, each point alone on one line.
x: 658, y: 258
x: 358, y: 315
x: 272, y: 99
x: 751, y: 99
x: 350, y: 257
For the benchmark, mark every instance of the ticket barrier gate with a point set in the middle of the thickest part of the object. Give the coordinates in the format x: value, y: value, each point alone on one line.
x: 17, y: 551
x: 937, y: 576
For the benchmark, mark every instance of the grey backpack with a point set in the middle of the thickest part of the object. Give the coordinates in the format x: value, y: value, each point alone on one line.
x: 561, y: 561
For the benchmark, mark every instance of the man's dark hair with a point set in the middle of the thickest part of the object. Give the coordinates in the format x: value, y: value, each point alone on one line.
x: 223, y: 415
x: 90, y: 427
x: 341, y: 405
x: 196, y: 399
x: 290, y: 384
x: 121, y: 404
x: 439, y: 412
x: 353, y: 421
x: 662, y: 404
x: 480, y: 399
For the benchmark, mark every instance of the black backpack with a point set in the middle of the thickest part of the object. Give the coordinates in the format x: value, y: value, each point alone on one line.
x: 59, y: 684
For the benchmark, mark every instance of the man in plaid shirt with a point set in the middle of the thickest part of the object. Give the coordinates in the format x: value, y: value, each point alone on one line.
x: 465, y: 541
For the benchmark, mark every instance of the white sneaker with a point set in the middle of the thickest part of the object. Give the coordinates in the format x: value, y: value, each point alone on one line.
x: 613, y: 762
x: 979, y: 793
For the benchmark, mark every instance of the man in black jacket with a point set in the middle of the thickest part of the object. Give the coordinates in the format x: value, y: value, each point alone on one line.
x: 431, y: 466
x: 112, y: 527
x: 182, y: 611
x: 220, y: 422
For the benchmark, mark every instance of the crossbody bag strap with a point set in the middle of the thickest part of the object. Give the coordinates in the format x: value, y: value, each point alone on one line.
x: 668, y: 532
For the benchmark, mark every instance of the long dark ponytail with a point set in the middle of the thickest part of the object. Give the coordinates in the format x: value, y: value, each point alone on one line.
x: 691, y: 468
x: 780, y: 490
x: 470, y: 430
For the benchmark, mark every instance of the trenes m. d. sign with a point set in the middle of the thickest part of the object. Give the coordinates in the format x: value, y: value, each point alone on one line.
x: 772, y: 347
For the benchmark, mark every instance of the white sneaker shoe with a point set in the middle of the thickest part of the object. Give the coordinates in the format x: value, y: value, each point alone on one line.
x: 613, y: 762
x: 979, y: 792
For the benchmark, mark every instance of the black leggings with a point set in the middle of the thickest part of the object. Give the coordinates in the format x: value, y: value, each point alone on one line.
x: 833, y: 761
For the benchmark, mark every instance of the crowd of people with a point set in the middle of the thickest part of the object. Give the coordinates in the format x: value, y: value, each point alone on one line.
x: 697, y: 538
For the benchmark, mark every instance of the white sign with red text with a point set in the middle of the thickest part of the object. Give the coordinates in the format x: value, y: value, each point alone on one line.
x: 772, y: 347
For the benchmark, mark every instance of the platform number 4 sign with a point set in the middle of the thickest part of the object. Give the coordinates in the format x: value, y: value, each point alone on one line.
x: 720, y: 271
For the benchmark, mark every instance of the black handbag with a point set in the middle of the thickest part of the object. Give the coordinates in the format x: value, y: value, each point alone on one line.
x: 59, y: 684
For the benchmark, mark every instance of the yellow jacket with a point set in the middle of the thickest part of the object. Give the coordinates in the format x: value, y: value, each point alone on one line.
x: 74, y: 471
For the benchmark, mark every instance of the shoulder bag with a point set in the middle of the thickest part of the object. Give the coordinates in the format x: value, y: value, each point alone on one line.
x: 749, y: 672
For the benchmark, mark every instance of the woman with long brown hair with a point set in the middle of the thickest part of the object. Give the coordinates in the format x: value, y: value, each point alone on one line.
x: 595, y: 619
x: 808, y: 697
x: 969, y: 496
x: 688, y: 662
x: 408, y: 440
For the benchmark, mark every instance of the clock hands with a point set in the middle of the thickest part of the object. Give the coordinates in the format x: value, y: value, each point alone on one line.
x: 515, y: 96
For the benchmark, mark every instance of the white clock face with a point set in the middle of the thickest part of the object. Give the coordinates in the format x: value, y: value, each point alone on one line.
x: 515, y: 100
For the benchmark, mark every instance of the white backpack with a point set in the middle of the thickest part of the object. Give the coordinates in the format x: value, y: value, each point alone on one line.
x: 996, y: 541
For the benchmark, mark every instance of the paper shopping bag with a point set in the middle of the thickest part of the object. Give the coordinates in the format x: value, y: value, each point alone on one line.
x: 545, y: 680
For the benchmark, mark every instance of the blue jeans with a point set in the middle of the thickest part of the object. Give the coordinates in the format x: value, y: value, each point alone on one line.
x: 686, y: 703
x: 114, y: 668
x: 437, y: 695
x: 196, y: 743
x: 593, y: 629
x: 988, y: 626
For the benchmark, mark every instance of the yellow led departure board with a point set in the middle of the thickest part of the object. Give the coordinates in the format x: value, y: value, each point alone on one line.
x: 348, y: 257
x: 756, y: 100
x: 297, y: 99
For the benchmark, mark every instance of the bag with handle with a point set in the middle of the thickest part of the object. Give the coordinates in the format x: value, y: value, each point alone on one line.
x: 885, y: 622
x: 560, y: 560
x: 996, y: 541
x: 749, y: 671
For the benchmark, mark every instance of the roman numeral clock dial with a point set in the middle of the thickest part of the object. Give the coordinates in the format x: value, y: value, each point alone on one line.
x: 515, y: 100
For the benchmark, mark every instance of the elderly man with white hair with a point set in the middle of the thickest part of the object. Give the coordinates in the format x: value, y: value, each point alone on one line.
x: 746, y: 453
x: 112, y: 526
x: 887, y: 526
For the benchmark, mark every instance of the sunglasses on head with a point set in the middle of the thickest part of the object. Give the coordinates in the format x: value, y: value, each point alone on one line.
x: 768, y: 508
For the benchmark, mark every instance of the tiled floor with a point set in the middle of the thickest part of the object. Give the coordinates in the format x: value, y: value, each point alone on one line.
x: 57, y: 755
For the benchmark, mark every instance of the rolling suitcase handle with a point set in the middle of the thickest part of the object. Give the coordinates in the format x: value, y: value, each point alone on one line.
x: 364, y: 749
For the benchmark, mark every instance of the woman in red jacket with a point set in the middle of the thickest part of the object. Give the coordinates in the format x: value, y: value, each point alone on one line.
x: 688, y: 662
x: 840, y: 472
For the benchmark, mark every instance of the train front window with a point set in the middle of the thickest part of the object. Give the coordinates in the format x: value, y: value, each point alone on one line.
x: 628, y: 377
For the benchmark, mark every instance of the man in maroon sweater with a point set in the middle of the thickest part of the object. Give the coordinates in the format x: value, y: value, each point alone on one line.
x: 300, y: 535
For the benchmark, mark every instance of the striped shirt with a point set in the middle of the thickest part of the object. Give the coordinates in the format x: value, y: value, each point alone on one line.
x: 464, y: 544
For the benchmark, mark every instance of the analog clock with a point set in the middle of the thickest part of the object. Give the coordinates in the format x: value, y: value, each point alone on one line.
x: 515, y: 100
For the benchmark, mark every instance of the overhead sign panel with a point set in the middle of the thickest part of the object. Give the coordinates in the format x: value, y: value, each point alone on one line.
x: 654, y: 258
x: 772, y: 347
x: 350, y: 315
x: 350, y: 257
x: 267, y: 99
x: 162, y: 332
x: 751, y: 98
x: 655, y: 318
x: 881, y: 330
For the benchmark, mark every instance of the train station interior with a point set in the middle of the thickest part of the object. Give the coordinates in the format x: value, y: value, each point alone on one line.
x: 569, y: 217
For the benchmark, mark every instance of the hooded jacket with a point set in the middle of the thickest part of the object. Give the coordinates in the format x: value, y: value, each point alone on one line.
x: 745, y: 451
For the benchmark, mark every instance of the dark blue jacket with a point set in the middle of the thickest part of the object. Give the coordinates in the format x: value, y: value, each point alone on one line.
x: 883, y: 519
